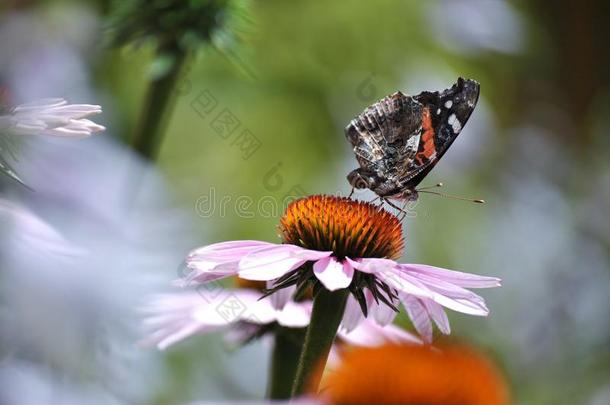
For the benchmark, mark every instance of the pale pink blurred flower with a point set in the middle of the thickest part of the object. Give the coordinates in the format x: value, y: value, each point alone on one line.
x: 242, y: 313
x: 52, y: 117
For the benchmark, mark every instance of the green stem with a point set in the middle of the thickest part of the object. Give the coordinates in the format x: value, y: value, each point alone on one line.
x: 326, y: 315
x: 158, y: 104
x: 286, y: 352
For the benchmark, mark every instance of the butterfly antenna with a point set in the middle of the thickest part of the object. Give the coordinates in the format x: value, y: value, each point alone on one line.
x: 452, y: 196
x: 429, y: 187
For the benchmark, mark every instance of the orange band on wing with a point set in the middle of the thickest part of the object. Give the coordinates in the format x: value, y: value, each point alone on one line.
x: 428, y: 149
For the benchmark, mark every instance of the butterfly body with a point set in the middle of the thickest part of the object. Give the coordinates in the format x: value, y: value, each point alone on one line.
x: 399, y: 139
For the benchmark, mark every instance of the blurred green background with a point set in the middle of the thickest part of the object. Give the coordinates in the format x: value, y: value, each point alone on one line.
x: 536, y: 149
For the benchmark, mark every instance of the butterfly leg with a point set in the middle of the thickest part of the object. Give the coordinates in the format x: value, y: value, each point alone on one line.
x: 351, y: 192
x: 391, y: 204
x: 404, y: 211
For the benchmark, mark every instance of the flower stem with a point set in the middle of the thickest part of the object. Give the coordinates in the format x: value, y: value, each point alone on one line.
x: 326, y: 315
x: 158, y: 103
x: 286, y: 352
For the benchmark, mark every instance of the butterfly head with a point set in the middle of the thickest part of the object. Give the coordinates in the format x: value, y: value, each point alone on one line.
x: 408, y: 195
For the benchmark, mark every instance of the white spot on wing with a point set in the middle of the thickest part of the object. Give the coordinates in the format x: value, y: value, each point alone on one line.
x: 448, y: 103
x: 455, y: 123
x: 438, y: 111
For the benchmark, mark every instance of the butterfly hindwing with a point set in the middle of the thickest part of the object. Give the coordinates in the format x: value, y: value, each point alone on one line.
x: 386, y: 134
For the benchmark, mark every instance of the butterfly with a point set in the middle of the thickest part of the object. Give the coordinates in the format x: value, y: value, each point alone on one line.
x: 400, y: 138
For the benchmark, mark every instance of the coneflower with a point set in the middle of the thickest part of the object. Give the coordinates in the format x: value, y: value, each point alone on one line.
x: 335, y: 243
x: 345, y: 251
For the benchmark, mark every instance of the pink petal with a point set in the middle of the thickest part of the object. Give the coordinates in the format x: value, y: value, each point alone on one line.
x: 458, y: 278
x: 438, y: 315
x: 260, y: 312
x: 465, y: 306
x: 446, y: 294
x: 282, y: 296
x: 273, y: 262
x: 219, y: 260
x: 332, y: 274
x: 419, y: 317
x: 372, y: 266
x: 368, y: 333
x: 226, y: 251
x: 295, y: 314
x: 457, y: 298
x: 203, y: 272
x: 352, y: 315
x: 383, y: 314
x: 401, y: 281
x: 396, y: 334
x: 174, y: 317
x: 175, y: 336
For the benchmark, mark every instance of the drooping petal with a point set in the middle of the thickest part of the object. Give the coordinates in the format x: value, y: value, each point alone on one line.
x: 352, y: 315
x: 442, y: 292
x: 419, y: 316
x: 401, y: 281
x: 438, y: 315
x: 281, y: 296
x: 333, y: 274
x: 383, y: 314
x: 273, y: 262
x: 466, y: 306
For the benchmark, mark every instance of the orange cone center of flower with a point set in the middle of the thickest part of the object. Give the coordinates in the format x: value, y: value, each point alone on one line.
x: 415, y: 375
x: 346, y: 227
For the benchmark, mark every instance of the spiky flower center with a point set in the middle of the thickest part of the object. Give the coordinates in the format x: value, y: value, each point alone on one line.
x: 346, y: 227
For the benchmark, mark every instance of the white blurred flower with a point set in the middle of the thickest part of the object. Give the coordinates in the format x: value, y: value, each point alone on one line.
x: 24, y: 232
x: 52, y: 117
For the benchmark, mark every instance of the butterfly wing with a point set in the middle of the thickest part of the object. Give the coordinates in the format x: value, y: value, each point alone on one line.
x: 386, y: 135
x: 444, y: 114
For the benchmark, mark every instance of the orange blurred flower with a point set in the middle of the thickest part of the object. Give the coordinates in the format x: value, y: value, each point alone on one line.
x: 415, y: 375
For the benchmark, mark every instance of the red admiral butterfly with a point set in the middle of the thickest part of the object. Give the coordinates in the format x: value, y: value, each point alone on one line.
x: 399, y: 139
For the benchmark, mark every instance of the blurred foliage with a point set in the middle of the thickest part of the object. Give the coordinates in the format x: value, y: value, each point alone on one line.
x: 177, y: 23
